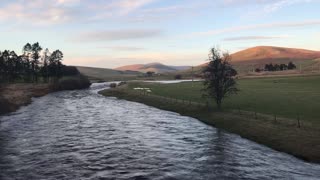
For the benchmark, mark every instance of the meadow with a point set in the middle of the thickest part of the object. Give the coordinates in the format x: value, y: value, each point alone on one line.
x: 269, y: 110
x: 288, y: 97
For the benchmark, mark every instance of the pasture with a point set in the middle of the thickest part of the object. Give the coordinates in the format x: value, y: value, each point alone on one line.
x: 288, y: 97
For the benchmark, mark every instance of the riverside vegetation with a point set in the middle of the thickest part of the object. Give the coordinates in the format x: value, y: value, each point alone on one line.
x: 276, y: 129
x: 33, y: 74
x: 277, y: 112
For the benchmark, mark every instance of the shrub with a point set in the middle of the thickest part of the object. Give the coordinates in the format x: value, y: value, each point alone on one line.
x: 122, y: 83
x: 113, y: 85
x: 73, y: 82
x: 178, y: 76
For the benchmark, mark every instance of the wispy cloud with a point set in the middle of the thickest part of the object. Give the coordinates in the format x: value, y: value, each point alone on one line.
x: 256, y: 26
x: 125, y: 48
x: 49, y: 12
x: 282, y: 4
x: 38, y: 12
x: 275, y: 5
x: 116, y: 35
x: 248, y: 38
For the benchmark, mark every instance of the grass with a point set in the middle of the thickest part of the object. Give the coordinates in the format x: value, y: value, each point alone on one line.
x: 282, y: 96
x: 287, y: 97
x: 107, y: 74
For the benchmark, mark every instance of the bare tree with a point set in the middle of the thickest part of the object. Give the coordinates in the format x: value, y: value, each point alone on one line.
x: 219, y: 76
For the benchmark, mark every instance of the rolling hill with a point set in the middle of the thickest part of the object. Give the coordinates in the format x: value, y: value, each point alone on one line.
x: 249, y: 59
x: 107, y: 74
x: 155, y: 67
x: 266, y: 53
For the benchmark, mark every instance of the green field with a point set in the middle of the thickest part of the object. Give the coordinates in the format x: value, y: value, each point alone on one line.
x: 286, y: 97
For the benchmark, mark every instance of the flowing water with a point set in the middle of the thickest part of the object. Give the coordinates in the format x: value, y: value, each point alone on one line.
x: 83, y: 135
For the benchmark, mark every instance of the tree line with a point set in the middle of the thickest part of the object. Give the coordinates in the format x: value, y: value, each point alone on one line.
x: 277, y: 67
x: 33, y: 65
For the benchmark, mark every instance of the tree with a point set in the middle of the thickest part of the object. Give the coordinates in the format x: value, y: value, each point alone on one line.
x: 269, y: 67
x: 5, y: 60
x: 11, y: 66
x: 55, y: 64
x: 276, y: 67
x: 219, y: 77
x: 257, y: 70
x: 178, y: 76
x: 291, y: 66
x: 26, y: 61
x: 35, y: 48
x: 45, y: 61
x: 27, y: 66
x: 150, y: 73
x: 283, y: 67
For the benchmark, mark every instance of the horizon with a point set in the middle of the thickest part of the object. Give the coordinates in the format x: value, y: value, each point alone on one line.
x: 109, y: 34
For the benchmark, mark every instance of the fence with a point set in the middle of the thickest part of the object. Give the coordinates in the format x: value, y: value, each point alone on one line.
x: 276, y: 119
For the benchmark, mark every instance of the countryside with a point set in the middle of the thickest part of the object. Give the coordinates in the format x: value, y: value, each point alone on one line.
x: 159, y: 89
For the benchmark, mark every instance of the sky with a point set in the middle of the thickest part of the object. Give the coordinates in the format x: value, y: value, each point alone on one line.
x: 112, y: 33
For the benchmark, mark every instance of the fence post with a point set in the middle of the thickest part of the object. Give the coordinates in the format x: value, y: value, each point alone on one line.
x: 299, y: 121
x: 275, y: 118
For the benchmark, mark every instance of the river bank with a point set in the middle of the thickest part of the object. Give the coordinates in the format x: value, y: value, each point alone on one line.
x: 280, y: 134
x: 13, y: 96
x: 80, y: 134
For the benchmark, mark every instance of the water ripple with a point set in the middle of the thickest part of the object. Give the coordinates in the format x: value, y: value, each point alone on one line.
x: 82, y: 135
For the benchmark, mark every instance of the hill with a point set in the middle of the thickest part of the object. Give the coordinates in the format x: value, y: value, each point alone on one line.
x: 249, y: 59
x: 266, y: 53
x: 107, y: 74
x: 155, y: 67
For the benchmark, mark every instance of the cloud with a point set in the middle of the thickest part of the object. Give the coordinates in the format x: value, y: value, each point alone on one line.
x: 50, y: 12
x: 246, y: 38
x: 256, y: 26
x: 116, y: 35
x: 116, y: 8
x: 126, y: 48
x: 275, y: 5
x: 38, y: 12
x: 281, y: 4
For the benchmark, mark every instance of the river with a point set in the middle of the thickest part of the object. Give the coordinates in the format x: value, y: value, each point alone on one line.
x: 83, y: 135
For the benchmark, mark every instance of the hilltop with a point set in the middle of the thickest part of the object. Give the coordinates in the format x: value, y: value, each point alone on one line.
x: 154, y: 67
x: 266, y: 53
x: 244, y: 61
x: 256, y: 57
x: 107, y: 74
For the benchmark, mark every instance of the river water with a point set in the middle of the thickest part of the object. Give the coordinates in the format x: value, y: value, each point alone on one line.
x: 83, y: 135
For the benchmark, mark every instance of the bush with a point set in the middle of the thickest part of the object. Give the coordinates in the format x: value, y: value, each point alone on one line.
x: 69, y: 71
x: 257, y: 70
x: 113, y: 85
x: 122, y: 83
x: 73, y: 82
x: 178, y: 76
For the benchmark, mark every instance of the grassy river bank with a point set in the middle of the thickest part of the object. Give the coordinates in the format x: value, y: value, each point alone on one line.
x: 278, y: 131
x: 15, y: 95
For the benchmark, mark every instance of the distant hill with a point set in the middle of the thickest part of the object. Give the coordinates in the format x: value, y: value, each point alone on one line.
x: 107, y: 74
x: 265, y: 53
x: 256, y: 57
x: 155, y: 67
